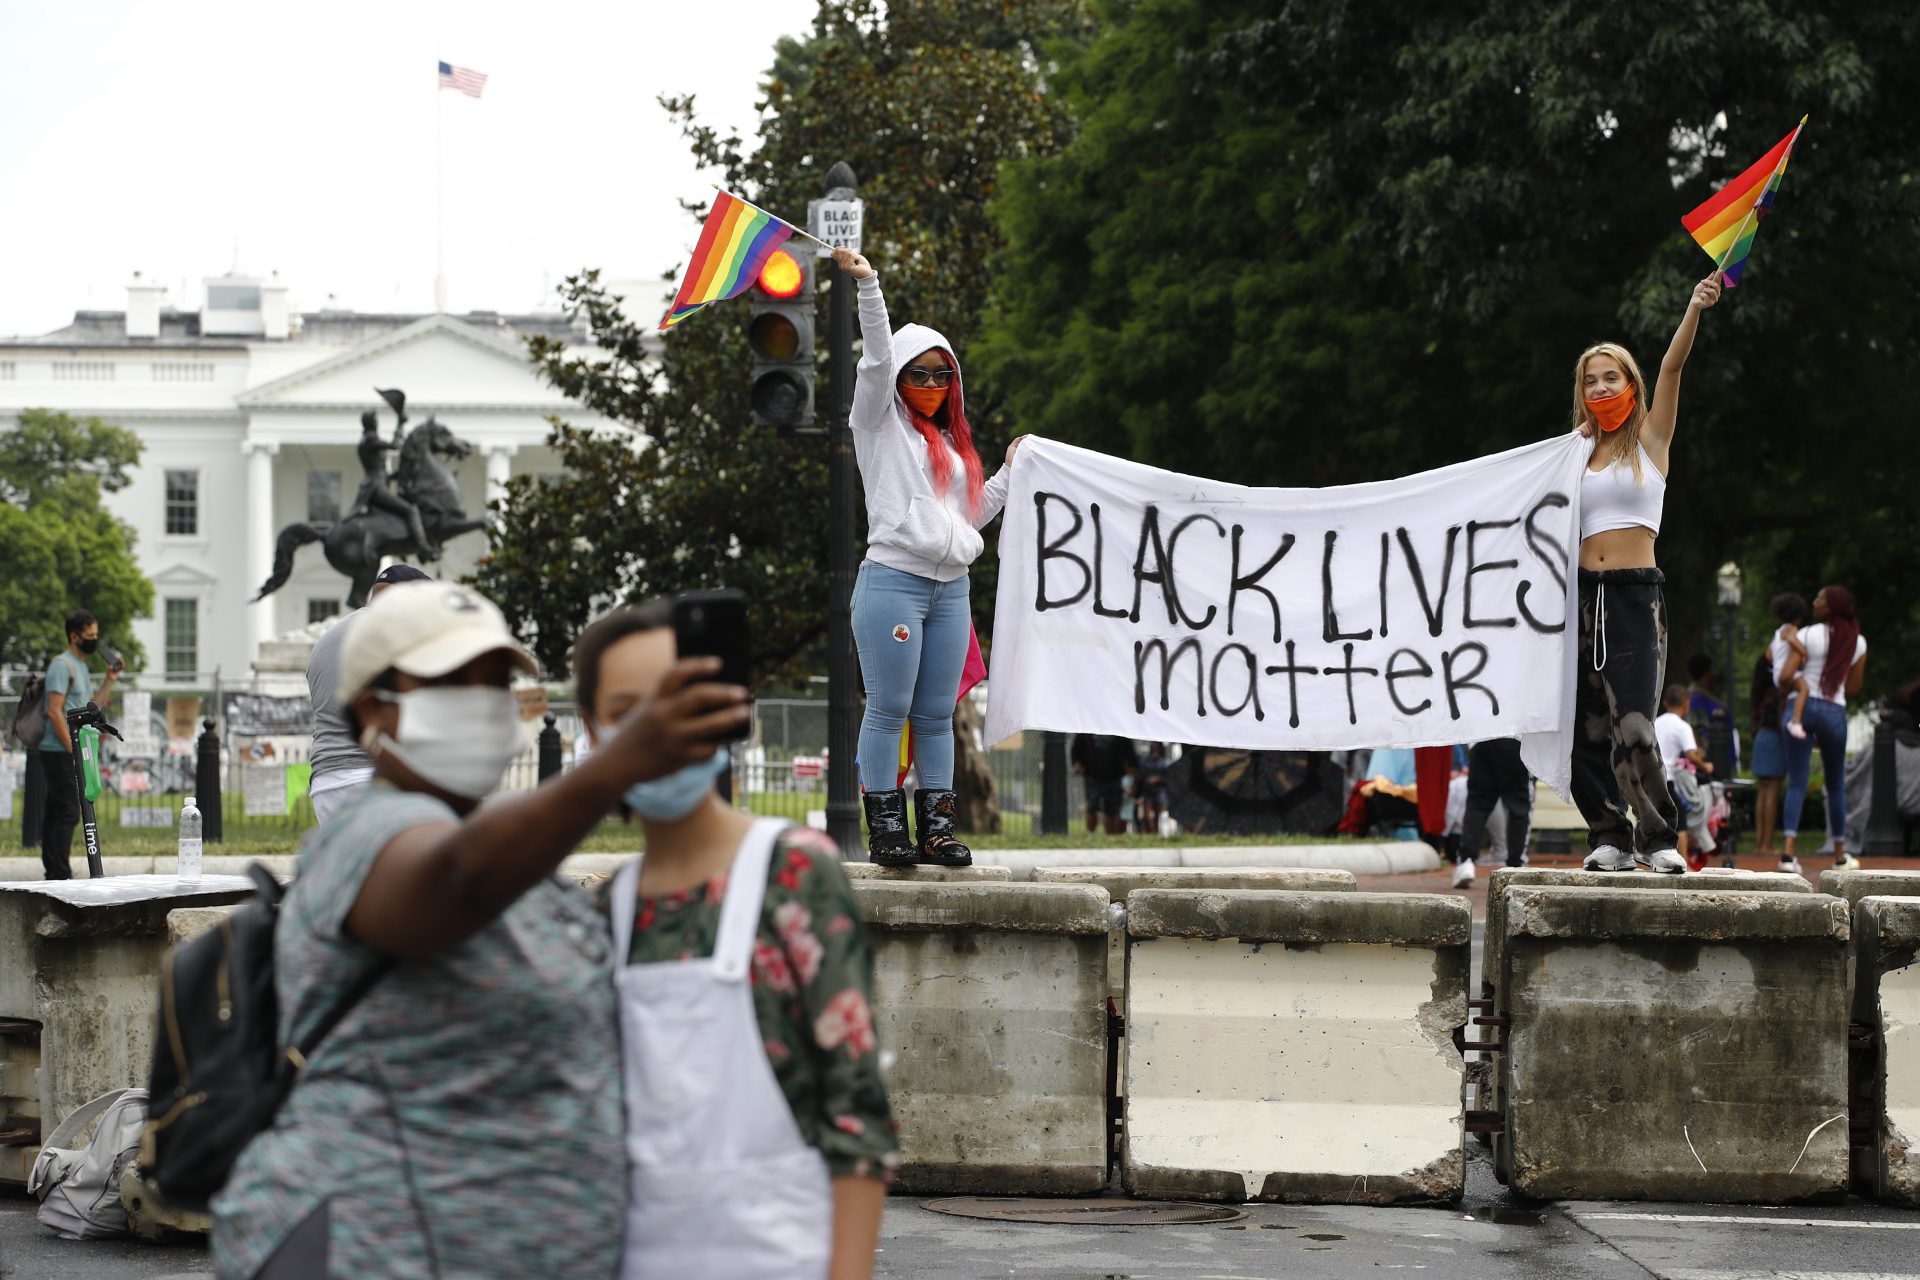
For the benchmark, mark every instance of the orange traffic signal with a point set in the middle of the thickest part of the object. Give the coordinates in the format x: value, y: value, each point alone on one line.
x: 782, y: 276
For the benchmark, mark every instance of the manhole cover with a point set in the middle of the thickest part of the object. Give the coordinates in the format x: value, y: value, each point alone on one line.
x: 1106, y: 1211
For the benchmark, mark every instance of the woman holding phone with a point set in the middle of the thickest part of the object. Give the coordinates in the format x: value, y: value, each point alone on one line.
x: 759, y: 1136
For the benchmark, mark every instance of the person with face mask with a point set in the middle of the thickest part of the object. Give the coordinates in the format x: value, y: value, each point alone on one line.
x: 464, y: 1117
x: 67, y: 685
x: 759, y: 1134
x: 1623, y: 616
x: 927, y: 500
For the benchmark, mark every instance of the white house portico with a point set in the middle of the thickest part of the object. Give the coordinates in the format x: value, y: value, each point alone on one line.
x: 249, y: 413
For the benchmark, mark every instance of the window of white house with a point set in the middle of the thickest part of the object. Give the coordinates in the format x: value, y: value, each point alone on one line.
x: 183, y: 503
x: 321, y: 610
x: 233, y: 297
x: 183, y: 637
x: 323, y: 497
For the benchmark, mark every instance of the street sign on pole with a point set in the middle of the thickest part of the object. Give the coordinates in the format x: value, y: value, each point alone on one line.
x: 836, y: 221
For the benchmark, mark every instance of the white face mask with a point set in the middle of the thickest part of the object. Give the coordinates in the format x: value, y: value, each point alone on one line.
x: 460, y: 738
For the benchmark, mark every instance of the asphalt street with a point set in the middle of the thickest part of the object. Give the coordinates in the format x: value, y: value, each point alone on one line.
x: 1486, y: 1237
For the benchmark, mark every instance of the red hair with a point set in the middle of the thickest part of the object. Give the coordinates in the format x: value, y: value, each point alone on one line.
x: 1843, y: 635
x: 954, y: 412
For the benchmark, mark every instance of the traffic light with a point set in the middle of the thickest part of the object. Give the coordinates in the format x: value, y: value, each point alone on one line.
x: 780, y: 332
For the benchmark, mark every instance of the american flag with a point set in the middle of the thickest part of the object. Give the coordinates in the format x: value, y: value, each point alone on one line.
x: 467, y: 81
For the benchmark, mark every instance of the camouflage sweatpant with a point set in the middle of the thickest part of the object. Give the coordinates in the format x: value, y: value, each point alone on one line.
x: 1616, y: 761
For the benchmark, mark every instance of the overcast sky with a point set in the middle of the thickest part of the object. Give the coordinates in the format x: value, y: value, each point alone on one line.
x: 159, y: 136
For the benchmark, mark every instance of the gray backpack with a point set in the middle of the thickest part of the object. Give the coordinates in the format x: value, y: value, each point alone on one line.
x: 79, y: 1187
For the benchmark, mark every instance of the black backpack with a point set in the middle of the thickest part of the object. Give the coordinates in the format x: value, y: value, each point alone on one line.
x: 29, y: 721
x: 219, y: 1072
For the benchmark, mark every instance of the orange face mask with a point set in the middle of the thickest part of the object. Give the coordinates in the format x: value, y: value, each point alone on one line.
x: 926, y: 401
x: 1613, y: 412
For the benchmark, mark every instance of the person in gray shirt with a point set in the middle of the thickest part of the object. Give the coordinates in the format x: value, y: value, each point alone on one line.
x: 340, y: 768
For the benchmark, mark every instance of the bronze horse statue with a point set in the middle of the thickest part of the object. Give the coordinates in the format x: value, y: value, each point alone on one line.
x: 356, y: 545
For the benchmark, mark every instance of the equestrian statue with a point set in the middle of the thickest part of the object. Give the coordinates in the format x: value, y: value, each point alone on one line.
x: 408, y: 513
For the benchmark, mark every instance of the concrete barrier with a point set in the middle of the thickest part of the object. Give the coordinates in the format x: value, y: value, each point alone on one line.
x: 992, y: 999
x: 1120, y: 881
x: 1505, y: 878
x: 1887, y: 951
x: 78, y: 966
x: 1364, y: 858
x: 1295, y: 1046
x: 928, y: 875
x: 1675, y: 1046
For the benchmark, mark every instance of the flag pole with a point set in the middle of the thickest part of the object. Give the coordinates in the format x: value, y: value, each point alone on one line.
x: 797, y: 230
x: 439, y: 198
x: 1721, y: 266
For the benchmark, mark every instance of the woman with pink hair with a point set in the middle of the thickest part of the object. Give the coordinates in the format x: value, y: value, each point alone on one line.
x: 927, y: 500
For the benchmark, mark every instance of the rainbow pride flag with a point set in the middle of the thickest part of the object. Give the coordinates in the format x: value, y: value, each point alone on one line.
x: 734, y: 244
x: 1725, y: 225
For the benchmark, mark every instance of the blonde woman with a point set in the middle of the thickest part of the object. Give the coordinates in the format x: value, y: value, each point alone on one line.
x: 1623, y: 617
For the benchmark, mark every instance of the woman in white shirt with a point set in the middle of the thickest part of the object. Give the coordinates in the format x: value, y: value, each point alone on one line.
x: 1834, y: 666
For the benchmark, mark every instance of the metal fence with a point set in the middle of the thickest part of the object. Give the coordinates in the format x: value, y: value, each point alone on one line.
x: 265, y: 745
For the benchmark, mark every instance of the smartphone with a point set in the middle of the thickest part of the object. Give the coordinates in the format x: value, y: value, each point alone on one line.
x: 111, y: 656
x: 715, y: 623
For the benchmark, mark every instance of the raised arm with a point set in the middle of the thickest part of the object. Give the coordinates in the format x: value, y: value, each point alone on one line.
x: 873, y: 381
x: 1657, y: 434
x: 434, y: 886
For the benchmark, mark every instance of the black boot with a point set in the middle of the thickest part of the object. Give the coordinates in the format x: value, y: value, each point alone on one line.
x: 933, y: 818
x: 888, y: 842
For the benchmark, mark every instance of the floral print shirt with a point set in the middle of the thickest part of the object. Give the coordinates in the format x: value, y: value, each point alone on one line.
x: 812, y: 993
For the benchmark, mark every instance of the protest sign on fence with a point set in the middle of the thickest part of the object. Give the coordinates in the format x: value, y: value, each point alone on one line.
x: 1425, y: 611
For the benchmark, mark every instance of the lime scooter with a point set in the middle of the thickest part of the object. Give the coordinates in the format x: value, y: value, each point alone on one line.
x: 85, y: 724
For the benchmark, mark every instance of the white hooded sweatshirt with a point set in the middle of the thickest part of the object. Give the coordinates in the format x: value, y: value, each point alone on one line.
x: 909, y: 526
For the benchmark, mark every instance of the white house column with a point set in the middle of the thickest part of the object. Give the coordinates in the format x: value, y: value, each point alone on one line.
x: 499, y: 467
x: 260, y: 537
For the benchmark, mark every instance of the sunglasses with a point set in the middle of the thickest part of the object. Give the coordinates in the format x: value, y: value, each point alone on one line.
x: 918, y: 377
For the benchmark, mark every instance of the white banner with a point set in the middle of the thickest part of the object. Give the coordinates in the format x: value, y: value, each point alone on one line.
x: 1427, y: 611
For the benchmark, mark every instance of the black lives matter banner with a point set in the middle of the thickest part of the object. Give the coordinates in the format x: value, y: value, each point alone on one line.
x: 1417, y: 612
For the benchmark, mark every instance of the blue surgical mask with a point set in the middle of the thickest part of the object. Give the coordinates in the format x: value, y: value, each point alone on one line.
x: 677, y: 795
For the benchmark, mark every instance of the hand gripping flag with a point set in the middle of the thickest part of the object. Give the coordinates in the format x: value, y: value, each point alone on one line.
x: 1725, y: 225
x: 734, y: 244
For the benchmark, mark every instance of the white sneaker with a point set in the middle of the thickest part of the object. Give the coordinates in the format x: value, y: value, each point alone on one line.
x: 1608, y: 858
x: 1667, y: 862
x: 1463, y: 875
x: 1846, y: 862
x: 1790, y: 866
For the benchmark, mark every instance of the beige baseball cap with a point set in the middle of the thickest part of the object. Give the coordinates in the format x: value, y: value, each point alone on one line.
x: 424, y: 629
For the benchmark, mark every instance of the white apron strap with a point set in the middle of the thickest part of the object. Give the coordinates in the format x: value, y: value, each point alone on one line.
x: 746, y: 891
x: 625, y: 888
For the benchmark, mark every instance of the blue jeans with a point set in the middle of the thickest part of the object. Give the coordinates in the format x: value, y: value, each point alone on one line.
x: 912, y: 636
x: 1825, y: 723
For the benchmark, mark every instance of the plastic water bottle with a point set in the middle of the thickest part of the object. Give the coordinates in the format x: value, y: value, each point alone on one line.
x: 189, y: 841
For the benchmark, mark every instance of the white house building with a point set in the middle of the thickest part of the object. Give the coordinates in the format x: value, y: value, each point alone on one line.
x: 249, y: 411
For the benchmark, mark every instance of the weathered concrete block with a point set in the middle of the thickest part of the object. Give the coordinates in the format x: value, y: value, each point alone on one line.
x: 992, y: 999
x: 928, y: 875
x: 1675, y: 1046
x: 184, y: 923
x: 79, y: 966
x: 1887, y: 949
x: 1120, y: 881
x: 1505, y: 878
x: 1295, y: 1046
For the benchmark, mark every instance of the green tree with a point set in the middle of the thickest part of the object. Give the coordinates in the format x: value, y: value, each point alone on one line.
x: 63, y: 550
x: 1450, y: 202
x: 924, y: 101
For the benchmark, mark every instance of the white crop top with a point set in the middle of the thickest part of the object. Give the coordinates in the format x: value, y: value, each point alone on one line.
x: 1609, y: 499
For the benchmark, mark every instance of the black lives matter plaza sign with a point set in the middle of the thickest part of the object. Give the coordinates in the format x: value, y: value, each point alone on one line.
x: 1430, y: 610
